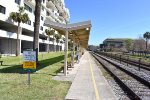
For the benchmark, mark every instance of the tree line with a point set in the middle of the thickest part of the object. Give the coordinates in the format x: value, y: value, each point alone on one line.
x: 140, y: 45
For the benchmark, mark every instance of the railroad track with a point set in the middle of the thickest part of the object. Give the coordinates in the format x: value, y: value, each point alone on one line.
x: 131, y: 62
x: 140, y: 68
x: 135, y: 87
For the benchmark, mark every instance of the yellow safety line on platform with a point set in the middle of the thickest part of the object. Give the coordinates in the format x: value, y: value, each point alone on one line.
x: 94, y: 82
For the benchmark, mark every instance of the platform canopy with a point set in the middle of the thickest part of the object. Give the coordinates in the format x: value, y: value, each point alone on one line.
x: 79, y: 31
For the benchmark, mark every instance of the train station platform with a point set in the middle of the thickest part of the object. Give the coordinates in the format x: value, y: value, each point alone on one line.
x: 88, y: 82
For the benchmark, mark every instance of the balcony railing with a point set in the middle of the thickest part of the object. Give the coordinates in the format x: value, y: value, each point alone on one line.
x: 61, y: 18
x: 50, y: 4
x: 30, y: 1
x: 59, y: 8
x: 49, y: 17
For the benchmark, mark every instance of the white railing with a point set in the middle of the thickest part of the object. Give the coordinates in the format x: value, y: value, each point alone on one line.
x: 30, y: 1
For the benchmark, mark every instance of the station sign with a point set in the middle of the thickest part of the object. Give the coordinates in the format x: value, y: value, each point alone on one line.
x: 29, y: 58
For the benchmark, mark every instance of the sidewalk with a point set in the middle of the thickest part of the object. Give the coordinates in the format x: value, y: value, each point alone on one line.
x: 71, y: 73
x: 89, y: 83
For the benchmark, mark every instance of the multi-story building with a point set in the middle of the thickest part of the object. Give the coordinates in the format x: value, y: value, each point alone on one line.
x: 116, y: 44
x: 93, y: 48
x: 54, y: 10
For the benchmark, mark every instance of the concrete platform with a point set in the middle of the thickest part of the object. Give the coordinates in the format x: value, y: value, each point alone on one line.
x: 71, y: 73
x: 89, y: 83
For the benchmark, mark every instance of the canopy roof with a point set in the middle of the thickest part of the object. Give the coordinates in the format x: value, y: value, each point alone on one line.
x: 79, y: 31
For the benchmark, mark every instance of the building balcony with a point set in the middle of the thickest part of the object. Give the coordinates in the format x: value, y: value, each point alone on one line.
x: 64, y: 14
x: 53, y: 15
x: 59, y: 6
x: 7, y: 34
x: 66, y: 10
x: 30, y: 1
x: 60, y: 9
x: 49, y: 17
x: 50, y: 4
x: 26, y: 38
x: 58, y: 20
x: 61, y: 18
x: 43, y: 41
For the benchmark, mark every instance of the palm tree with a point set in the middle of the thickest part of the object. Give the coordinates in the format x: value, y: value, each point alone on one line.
x: 146, y: 36
x: 70, y: 45
x: 61, y: 41
x: 57, y: 37
x: 52, y: 32
x: 19, y: 17
x: 36, y: 26
x: 48, y: 33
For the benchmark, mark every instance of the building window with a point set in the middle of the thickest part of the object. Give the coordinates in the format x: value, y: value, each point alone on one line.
x: 47, y: 13
x: 41, y: 18
x: 42, y: 8
x: 33, y: 24
x: 41, y: 28
x: 28, y: 22
x: 28, y: 8
x: 55, y: 20
x: 17, y: 1
x: 2, y: 9
x: 50, y: 39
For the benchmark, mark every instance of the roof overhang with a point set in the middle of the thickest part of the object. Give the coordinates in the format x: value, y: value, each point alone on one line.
x: 79, y: 31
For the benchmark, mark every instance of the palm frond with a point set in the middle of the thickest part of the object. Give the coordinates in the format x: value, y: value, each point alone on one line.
x: 49, y: 32
x: 14, y: 16
x: 24, y: 18
x: 21, y: 9
x: 57, y: 36
x: 61, y: 41
x: 19, y: 16
x: 146, y: 35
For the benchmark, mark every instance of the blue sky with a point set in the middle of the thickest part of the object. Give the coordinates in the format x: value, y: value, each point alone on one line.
x: 112, y: 18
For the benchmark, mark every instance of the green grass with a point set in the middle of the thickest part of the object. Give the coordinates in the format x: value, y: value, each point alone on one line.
x: 136, y: 57
x: 142, y: 57
x: 13, y: 82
